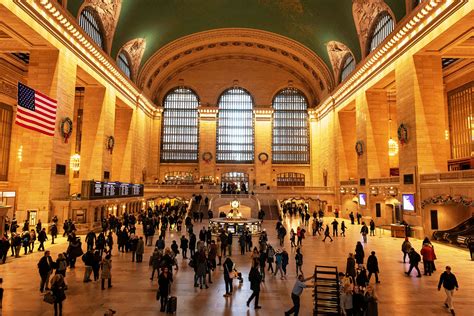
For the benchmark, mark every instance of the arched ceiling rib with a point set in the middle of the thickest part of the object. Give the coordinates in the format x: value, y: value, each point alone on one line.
x: 256, y: 44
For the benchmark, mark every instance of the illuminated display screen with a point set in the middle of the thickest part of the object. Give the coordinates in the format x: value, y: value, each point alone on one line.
x: 408, y: 202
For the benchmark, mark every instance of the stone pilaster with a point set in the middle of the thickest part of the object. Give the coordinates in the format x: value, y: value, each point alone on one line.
x: 98, y: 125
x: 52, y: 73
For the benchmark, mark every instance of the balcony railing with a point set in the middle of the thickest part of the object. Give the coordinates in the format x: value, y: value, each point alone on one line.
x: 389, y: 180
x: 452, y: 176
x: 348, y: 182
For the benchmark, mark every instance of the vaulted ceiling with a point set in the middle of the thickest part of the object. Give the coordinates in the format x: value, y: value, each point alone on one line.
x: 313, y: 23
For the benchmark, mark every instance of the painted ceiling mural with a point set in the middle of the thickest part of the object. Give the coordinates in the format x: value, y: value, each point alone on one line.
x: 313, y: 23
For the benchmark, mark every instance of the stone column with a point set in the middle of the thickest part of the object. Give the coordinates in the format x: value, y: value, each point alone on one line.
x: 347, y: 157
x: 421, y: 108
x: 263, y: 144
x: 153, y: 163
x: 140, y: 140
x: 122, y: 155
x: 52, y: 73
x: 207, y: 141
x: 98, y: 125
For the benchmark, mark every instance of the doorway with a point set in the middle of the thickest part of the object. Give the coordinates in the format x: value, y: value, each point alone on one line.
x: 234, y: 182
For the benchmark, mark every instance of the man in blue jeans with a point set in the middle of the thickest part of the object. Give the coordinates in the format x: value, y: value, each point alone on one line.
x: 296, y: 293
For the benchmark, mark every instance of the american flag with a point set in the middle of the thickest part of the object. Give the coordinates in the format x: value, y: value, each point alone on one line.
x: 35, y: 110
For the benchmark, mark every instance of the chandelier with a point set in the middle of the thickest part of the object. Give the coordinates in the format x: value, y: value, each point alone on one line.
x: 392, y: 145
x: 75, y: 162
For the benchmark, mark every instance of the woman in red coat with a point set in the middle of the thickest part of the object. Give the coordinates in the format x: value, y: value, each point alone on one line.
x: 428, y: 254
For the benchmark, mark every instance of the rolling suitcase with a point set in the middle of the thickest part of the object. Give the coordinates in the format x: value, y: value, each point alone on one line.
x: 172, y: 305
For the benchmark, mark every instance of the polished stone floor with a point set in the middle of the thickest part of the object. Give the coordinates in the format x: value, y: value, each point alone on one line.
x: 134, y: 294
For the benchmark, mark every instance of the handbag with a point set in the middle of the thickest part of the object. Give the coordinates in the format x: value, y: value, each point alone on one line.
x: 49, y: 298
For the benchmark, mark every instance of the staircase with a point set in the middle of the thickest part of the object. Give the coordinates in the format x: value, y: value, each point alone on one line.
x: 326, y: 291
x: 273, y: 212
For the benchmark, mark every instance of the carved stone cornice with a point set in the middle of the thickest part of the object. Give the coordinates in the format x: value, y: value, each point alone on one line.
x: 109, y: 12
x: 365, y: 12
x: 135, y: 49
x: 9, y: 89
x: 248, y: 41
x: 337, y: 52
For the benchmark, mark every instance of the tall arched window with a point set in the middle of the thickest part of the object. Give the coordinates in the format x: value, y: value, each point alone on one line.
x: 382, y: 29
x: 90, y: 23
x: 290, y: 127
x: 348, y: 67
x: 179, y: 135
x: 124, y: 65
x: 235, y: 127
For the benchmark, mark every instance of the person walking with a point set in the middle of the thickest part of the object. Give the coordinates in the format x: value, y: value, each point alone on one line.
x: 350, y: 266
x: 299, y: 261
x: 364, y: 231
x: 406, y: 246
x: 228, y: 270
x: 270, y: 258
x: 373, y: 266
x: 201, y: 269
x: 372, y: 227
x: 449, y: 282
x: 45, y: 266
x: 359, y: 254
x: 164, y: 284
x: 96, y: 265
x: 106, y: 265
x: 292, y: 238
x: 278, y: 263
x: 192, y: 244
x: 58, y: 287
x: 54, y: 232
x: 88, y: 259
x: 327, y: 234
x: 415, y: 258
x: 428, y: 254
x: 371, y: 302
x: 155, y: 263
x: 140, y: 249
x: 262, y: 262
x: 343, y: 229
x: 61, y: 265
x: 335, y: 225
x: 285, y: 258
x: 296, y: 293
x: 255, y: 279
x: 242, y: 244
x: 184, y: 246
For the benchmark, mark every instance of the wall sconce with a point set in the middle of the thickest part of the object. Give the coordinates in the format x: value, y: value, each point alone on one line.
x: 392, y: 191
x: 374, y: 191
x: 20, y: 153
x: 354, y: 191
x: 75, y: 162
x: 342, y: 190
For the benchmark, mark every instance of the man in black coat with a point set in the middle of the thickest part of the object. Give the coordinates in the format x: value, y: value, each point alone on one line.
x: 42, y: 238
x: 45, y: 266
x: 449, y: 283
x: 373, y: 266
x: 90, y: 240
x: 415, y: 258
x: 255, y: 278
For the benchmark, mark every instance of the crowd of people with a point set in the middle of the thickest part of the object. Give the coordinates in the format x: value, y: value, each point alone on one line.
x: 210, y: 256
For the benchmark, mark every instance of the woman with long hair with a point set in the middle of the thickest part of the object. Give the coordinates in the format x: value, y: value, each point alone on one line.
x: 57, y: 288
